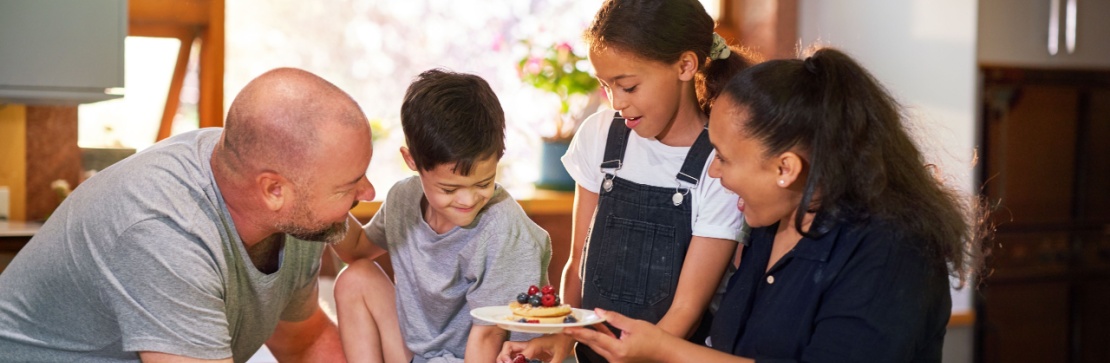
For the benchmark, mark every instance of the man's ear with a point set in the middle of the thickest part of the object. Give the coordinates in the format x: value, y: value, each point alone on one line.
x: 275, y: 189
x: 408, y: 158
x: 687, y: 66
x: 790, y: 168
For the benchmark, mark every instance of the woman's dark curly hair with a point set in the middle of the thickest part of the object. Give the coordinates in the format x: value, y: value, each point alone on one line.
x: 863, y: 162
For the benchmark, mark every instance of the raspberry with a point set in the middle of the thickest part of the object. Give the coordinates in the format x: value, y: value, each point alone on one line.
x: 534, y: 321
x: 520, y: 359
x: 548, y: 300
x: 532, y: 290
x: 522, y: 298
x: 547, y: 290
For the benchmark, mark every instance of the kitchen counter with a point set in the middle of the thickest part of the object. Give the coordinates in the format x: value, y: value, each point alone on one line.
x: 18, y: 228
x: 13, y: 236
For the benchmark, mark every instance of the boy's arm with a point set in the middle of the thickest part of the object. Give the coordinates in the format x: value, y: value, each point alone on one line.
x: 356, y: 245
x: 484, y: 343
x: 585, y: 203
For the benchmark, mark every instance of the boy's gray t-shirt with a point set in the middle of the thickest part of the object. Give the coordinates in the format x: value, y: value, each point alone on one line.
x: 144, y: 257
x: 441, y: 277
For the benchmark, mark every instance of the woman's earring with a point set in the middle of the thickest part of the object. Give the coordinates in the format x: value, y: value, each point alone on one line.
x: 782, y: 182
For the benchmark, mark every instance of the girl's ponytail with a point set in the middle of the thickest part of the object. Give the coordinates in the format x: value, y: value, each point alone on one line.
x: 716, y: 73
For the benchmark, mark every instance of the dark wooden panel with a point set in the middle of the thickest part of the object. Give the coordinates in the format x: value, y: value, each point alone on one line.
x: 1093, y: 253
x: 9, y: 247
x: 1026, y: 255
x: 1046, y: 143
x: 1031, y: 161
x: 1093, y: 333
x: 1026, y: 323
x: 1094, y: 159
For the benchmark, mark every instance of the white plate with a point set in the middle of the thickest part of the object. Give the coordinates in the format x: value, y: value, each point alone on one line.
x: 503, y: 317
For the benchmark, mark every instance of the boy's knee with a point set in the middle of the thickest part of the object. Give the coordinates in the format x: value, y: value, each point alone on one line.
x: 359, y: 275
x: 351, y: 278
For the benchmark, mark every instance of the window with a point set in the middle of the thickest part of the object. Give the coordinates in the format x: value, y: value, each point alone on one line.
x: 132, y: 121
x: 371, y: 49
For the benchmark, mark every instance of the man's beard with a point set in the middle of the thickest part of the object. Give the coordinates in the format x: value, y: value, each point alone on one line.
x: 331, y: 233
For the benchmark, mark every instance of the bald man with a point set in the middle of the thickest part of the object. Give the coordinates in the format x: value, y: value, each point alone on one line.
x: 202, y: 247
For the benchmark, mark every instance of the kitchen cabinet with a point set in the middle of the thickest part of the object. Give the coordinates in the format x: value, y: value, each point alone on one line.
x: 1034, y: 330
x: 1046, y: 166
x: 61, y: 51
x: 1051, y: 34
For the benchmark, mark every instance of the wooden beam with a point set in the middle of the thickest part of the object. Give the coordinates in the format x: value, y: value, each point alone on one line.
x: 187, y: 20
x: 164, y: 30
x: 211, y: 106
x: 175, y: 12
x: 173, y: 97
x: 13, y: 158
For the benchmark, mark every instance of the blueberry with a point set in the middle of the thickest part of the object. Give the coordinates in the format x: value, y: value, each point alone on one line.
x: 535, y: 300
x: 522, y: 320
x: 570, y: 319
x: 535, y: 361
x: 522, y: 298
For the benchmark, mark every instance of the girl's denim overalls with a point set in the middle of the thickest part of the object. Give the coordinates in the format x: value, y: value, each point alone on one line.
x: 637, y: 242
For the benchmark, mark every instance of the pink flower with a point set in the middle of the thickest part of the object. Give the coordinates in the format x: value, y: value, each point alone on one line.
x: 533, y: 66
x: 498, y: 40
x: 563, y: 51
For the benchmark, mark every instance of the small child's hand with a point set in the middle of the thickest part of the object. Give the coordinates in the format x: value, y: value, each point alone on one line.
x: 520, y: 359
x: 549, y: 348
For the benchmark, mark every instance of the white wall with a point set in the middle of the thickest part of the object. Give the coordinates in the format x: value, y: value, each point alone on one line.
x: 923, y: 51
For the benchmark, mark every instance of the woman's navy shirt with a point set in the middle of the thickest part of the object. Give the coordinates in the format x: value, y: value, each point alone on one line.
x: 858, y: 293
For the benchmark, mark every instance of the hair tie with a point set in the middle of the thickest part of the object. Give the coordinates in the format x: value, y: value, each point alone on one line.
x: 719, y: 50
x: 810, y: 64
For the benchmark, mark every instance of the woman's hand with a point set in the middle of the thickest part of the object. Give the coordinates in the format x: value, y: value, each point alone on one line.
x: 548, y: 348
x: 640, y: 341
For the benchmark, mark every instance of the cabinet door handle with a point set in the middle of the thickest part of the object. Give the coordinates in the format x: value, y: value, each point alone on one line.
x: 1069, y: 26
x: 1053, y: 27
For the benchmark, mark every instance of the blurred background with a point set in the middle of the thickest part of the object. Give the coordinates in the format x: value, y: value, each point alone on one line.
x: 1010, y: 98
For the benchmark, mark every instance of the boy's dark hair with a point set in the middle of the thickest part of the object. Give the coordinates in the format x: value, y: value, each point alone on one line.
x: 452, y: 117
x: 863, y: 160
x: 661, y: 30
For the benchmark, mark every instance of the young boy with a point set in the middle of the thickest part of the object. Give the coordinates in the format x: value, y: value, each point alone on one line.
x: 456, y: 239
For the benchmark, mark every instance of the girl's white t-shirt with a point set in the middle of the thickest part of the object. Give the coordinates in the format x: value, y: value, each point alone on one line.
x: 650, y: 162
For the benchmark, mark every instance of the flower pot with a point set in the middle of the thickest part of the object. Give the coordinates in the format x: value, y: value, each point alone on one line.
x: 553, y: 176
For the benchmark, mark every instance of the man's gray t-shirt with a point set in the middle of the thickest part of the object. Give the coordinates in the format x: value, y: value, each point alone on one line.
x: 441, y: 277
x: 144, y: 257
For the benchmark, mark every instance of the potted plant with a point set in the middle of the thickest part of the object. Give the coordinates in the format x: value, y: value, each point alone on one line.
x: 559, y: 70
